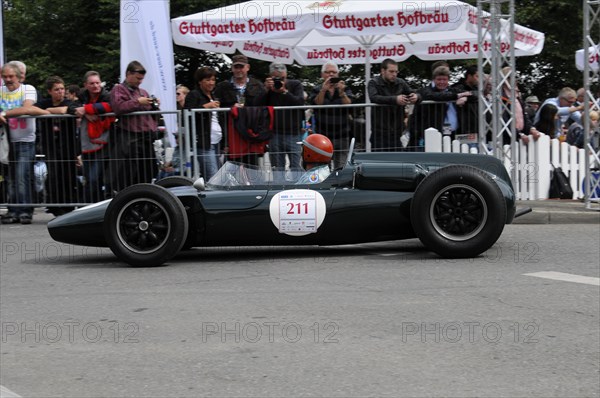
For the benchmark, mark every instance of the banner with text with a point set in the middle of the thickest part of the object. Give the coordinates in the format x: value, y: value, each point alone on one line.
x: 146, y: 37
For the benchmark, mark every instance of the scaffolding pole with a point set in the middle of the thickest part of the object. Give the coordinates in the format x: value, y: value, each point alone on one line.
x: 591, y: 39
x: 495, y: 37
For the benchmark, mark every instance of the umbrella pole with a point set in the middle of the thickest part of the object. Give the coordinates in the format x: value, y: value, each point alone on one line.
x: 367, y: 99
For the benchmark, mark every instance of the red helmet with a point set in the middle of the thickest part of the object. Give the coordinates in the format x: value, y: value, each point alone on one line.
x: 317, y: 149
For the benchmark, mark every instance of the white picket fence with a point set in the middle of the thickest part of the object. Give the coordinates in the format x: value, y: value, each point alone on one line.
x: 535, y: 162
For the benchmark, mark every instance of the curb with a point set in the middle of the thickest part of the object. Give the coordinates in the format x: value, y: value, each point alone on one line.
x: 557, y: 212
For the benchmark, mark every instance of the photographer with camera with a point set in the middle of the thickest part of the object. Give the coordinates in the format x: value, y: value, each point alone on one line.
x: 208, y: 124
x: 131, y: 142
x: 281, y: 91
x: 333, y: 122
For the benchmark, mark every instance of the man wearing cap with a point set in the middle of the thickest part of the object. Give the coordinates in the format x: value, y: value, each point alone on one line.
x: 240, y: 90
x: 532, y: 104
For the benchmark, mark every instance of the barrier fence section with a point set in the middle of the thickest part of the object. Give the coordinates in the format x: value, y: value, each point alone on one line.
x: 535, y: 162
x: 77, y: 164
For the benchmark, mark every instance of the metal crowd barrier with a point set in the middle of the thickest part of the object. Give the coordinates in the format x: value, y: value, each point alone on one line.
x: 63, y: 176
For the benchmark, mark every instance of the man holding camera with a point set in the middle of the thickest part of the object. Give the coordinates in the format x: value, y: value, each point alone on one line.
x: 130, y: 144
x: 333, y: 122
x: 281, y: 91
x: 388, y: 121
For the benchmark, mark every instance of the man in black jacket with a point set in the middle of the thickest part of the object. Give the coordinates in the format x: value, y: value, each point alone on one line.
x: 468, y: 114
x: 282, y: 91
x: 441, y: 115
x: 388, y: 121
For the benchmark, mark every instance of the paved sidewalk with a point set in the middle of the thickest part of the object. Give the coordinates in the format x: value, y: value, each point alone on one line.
x: 556, y: 211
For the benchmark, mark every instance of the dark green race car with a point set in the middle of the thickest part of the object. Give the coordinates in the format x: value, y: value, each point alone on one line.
x: 456, y: 204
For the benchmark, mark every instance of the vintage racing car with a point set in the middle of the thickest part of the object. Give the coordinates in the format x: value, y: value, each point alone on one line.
x: 456, y: 204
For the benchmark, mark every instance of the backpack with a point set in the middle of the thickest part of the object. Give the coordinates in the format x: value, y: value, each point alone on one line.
x: 559, y: 185
x: 575, y: 135
x: 253, y: 123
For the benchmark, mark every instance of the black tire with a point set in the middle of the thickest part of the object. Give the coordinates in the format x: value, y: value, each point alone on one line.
x: 175, y: 181
x: 145, y: 225
x: 458, y: 211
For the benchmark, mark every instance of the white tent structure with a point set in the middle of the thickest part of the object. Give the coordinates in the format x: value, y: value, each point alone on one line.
x: 344, y: 31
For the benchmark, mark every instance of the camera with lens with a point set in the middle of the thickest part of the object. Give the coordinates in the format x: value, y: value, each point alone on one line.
x: 154, y: 103
x: 277, y: 83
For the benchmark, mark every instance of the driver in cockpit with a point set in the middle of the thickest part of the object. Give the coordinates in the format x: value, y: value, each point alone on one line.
x: 317, y: 151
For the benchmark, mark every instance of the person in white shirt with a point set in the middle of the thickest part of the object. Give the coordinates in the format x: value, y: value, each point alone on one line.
x: 17, y: 99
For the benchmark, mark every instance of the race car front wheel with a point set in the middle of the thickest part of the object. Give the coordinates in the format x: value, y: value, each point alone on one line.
x: 175, y: 181
x: 458, y: 211
x: 145, y: 225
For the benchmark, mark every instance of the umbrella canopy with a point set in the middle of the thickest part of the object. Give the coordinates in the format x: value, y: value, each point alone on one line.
x: 344, y: 31
x: 593, y: 57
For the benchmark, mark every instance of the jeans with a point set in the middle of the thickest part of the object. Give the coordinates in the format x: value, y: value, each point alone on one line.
x: 286, y: 144
x: 132, y: 159
x: 22, y: 156
x: 209, y: 161
x: 94, y: 165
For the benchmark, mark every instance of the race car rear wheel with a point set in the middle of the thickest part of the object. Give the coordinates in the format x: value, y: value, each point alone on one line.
x: 175, y: 181
x: 145, y: 225
x: 458, y: 211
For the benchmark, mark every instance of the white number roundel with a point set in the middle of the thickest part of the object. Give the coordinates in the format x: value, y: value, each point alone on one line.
x: 297, y: 212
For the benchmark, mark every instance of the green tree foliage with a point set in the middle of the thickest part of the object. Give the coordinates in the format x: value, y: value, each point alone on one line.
x: 562, y: 23
x: 68, y: 39
x: 62, y: 38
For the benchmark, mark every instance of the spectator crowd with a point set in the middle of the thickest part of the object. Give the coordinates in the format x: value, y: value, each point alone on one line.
x: 95, y: 143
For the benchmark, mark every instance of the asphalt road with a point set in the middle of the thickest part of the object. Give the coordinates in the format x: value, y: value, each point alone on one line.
x: 388, y: 319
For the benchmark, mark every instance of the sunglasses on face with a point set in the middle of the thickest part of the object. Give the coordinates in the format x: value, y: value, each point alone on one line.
x: 141, y: 72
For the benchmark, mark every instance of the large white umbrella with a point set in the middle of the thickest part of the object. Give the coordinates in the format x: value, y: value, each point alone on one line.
x: 344, y: 31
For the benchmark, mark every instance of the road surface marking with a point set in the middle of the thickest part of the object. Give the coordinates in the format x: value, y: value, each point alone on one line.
x: 6, y: 393
x: 561, y: 276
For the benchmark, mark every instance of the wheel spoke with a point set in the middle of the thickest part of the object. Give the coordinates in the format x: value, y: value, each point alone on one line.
x: 152, y: 237
x: 130, y: 224
x: 155, y: 215
x: 472, y: 219
x: 133, y: 213
x: 444, y: 204
x: 160, y: 227
x: 444, y: 217
x: 471, y: 207
x: 143, y: 240
x: 134, y: 235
